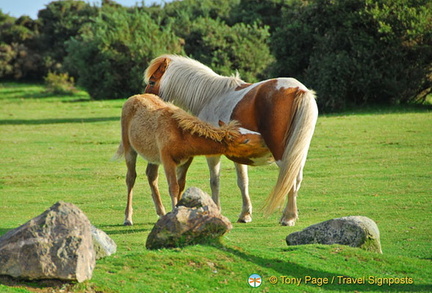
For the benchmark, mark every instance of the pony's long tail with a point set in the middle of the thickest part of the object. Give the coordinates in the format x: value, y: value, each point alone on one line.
x: 297, y: 142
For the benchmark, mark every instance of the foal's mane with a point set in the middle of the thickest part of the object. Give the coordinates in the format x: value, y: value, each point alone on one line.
x: 190, y: 82
x: 198, y: 127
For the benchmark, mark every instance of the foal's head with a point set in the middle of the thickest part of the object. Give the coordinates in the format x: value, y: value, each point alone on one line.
x: 244, y: 145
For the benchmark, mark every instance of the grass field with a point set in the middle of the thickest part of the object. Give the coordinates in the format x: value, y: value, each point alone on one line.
x: 375, y: 163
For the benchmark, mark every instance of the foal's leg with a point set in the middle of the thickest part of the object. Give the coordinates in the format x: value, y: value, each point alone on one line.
x: 130, y: 158
x: 213, y: 163
x: 152, y: 177
x: 243, y: 184
x: 171, y: 175
x: 290, y: 214
x: 181, y: 176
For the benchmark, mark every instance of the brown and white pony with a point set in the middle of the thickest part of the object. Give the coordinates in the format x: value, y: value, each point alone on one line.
x: 282, y: 110
x: 164, y: 134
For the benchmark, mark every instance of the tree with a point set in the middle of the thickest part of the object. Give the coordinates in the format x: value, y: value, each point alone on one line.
x: 226, y: 49
x: 354, y: 52
x: 208, y: 38
x: 19, y: 57
x: 60, y: 21
x: 112, y: 51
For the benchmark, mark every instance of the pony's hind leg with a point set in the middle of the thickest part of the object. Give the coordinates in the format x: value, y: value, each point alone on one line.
x: 152, y: 177
x: 130, y: 158
x: 243, y: 183
x: 290, y: 214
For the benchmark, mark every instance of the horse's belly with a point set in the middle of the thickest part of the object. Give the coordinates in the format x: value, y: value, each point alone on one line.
x: 147, y: 152
x: 145, y: 144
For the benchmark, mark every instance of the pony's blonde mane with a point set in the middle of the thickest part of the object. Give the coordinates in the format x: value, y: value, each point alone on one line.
x: 195, y: 126
x: 190, y: 83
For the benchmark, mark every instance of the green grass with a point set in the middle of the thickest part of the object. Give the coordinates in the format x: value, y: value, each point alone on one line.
x: 375, y: 163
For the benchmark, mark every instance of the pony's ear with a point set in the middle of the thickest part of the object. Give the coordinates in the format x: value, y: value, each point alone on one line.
x: 164, y: 64
x: 156, y: 68
x: 221, y: 123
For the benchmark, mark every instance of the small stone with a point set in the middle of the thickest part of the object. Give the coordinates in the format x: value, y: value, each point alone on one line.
x: 355, y: 231
x: 196, y: 219
x: 194, y: 197
x: 103, y: 245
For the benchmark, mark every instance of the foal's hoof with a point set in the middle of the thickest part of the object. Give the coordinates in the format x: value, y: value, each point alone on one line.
x: 128, y: 223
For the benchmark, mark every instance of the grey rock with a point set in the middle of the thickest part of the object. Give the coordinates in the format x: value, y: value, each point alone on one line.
x: 54, y: 245
x: 194, y: 197
x: 196, y: 219
x: 355, y: 231
x: 103, y: 245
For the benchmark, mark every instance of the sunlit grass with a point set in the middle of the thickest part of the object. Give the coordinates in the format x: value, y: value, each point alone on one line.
x: 372, y: 164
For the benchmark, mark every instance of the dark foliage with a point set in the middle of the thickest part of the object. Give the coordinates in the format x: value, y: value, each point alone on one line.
x: 352, y: 52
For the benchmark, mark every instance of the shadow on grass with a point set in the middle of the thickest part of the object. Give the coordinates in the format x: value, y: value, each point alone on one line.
x: 39, y: 285
x: 382, y: 110
x: 124, y: 230
x: 288, y: 270
x: 57, y: 121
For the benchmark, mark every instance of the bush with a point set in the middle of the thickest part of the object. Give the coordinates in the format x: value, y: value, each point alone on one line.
x: 19, y: 59
x: 356, y: 52
x: 60, y: 84
x: 112, y: 52
x: 60, y: 21
x: 226, y: 49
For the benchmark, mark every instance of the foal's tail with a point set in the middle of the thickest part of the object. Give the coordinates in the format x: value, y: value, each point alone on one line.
x: 297, y: 142
x: 128, y: 111
x: 120, y: 152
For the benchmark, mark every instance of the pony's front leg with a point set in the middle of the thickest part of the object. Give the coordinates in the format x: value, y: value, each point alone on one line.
x: 131, y: 175
x: 243, y: 184
x: 152, y: 177
x: 213, y: 163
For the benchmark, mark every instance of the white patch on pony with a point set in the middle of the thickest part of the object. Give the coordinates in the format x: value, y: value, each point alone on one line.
x: 247, y: 131
x: 287, y: 82
x: 221, y: 107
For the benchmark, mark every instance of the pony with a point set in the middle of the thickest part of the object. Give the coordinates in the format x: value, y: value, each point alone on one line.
x: 164, y: 134
x: 282, y: 110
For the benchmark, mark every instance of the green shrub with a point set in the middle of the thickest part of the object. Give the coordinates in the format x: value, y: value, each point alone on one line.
x: 60, y: 84
x: 226, y: 49
x: 111, y: 53
x: 356, y: 52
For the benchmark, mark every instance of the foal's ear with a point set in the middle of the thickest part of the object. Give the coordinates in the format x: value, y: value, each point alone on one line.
x: 221, y: 123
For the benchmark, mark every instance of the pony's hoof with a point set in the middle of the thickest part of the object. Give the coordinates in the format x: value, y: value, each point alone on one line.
x: 128, y: 223
x: 289, y: 223
x: 245, y: 219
